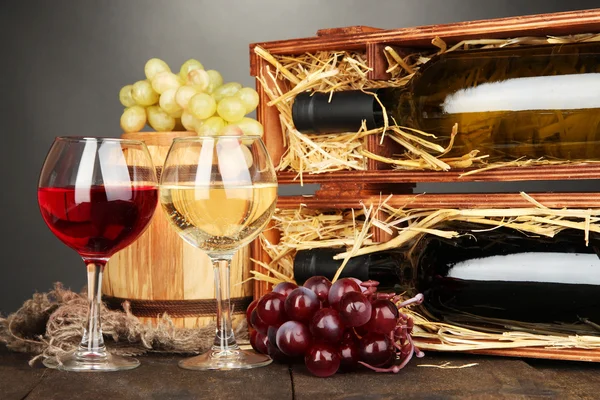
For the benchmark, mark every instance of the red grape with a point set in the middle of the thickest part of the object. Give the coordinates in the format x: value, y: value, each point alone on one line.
x: 270, y: 308
x: 284, y: 288
x: 293, y: 338
x: 276, y: 354
x: 355, y: 309
x: 375, y: 349
x: 332, y: 326
x: 301, y: 304
x: 253, y: 334
x: 320, y: 285
x: 258, y: 323
x: 358, y: 282
x: 349, y: 356
x: 326, y: 325
x: 272, y: 334
x: 322, y: 360
x: 249, y: 310
x: 339, y: 288
x: 261, y: 343
x: 361, y: 330
x: 350, y: 335
x: 384, y: 317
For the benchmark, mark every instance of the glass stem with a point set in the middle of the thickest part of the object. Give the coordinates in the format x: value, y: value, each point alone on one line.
x: 92, y: 342
x: 224, y: 338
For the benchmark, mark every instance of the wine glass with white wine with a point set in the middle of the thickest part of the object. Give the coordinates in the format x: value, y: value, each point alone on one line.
x: 219, y: 193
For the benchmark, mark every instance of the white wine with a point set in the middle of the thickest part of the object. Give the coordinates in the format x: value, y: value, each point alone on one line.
x: 219, y: 218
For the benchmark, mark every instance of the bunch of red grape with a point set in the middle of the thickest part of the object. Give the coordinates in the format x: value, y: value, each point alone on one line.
x: 333, y: 326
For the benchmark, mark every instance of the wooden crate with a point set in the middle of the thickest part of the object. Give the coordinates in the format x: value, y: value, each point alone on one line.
x: 348, y: 189
x: 372, y: 41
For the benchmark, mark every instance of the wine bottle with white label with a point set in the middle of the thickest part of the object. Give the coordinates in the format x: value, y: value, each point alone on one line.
x: 532, y: 102
x: 500, y: 274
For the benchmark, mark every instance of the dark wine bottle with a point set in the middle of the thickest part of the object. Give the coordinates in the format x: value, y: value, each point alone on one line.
x: 382, y: 267
x: 500, y: 274
x: 539, y: 101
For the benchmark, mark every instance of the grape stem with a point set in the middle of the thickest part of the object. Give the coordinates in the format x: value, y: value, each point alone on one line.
x: 418, y: 299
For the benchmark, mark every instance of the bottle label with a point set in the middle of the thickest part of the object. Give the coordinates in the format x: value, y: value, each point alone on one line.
x: 560, y: 92
x: 568, y: 268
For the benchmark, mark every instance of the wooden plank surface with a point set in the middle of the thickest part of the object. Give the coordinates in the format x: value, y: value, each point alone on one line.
x: 160, y: 378
x: 17, y: 378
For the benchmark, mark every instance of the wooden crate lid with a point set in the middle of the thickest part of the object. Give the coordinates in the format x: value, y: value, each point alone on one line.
x: 358, y: 37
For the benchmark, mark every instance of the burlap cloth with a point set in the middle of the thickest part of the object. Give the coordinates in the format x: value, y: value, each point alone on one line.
x: 50, y: 325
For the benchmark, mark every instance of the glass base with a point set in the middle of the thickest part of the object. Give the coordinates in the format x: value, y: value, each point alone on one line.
x: 87, y: 362
x: 226, y: 360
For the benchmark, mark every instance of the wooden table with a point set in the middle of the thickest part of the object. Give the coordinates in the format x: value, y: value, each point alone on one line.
x: 160, y: 378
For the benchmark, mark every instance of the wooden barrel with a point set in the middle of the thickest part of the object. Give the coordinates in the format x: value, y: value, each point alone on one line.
x: 161, y: 273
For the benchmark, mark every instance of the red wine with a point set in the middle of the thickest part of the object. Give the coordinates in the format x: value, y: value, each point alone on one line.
x: 98, y: 221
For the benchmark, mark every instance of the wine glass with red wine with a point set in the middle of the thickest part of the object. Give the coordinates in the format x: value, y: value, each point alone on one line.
x: 97, y: 195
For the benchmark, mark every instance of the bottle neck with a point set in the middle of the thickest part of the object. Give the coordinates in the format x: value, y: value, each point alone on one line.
x: 346, y: 111
x: 385, y: 267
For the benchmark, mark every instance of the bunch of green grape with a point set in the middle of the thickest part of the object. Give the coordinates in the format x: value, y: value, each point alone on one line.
x: 194, y: 100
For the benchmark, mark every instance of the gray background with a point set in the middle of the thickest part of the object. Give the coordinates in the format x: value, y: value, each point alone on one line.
x: 63, y: 62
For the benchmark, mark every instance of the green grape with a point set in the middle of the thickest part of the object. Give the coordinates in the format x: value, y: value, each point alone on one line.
x: 247, y: 155
x: 143, y: 94
x: 249, y: 97
x: 165, y: 81
x: 167, y: 102
x: 231, y: 109
x: 176, y: 114
x: 250, y: 126
x: 184, y: 94
x: 189, y: 122
x: 188, y: 66
x: 133, y: 119
x: 154, y: 66
x: 215, y: 80
x: 202, y: 105
x: 199, y: 78
x: 125, y: 96
x: 159, y: 120
x: 228, y: 89
x: 231, y: 130
x: 211, y: 126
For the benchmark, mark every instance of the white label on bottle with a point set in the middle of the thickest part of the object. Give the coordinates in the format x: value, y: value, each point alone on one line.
x: 575, y: 268
x: 560, y: 92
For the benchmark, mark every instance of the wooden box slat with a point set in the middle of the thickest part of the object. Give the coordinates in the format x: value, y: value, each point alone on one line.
x: 587, y: 171
x: 446, y: 200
